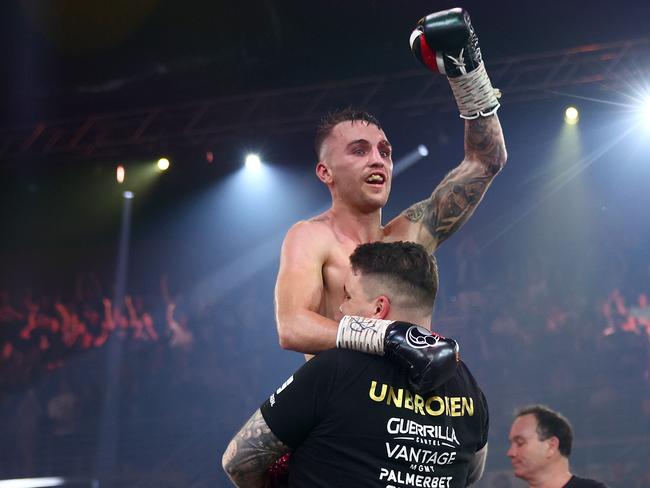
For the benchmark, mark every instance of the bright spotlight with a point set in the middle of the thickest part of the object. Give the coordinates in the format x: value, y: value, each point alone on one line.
x: 422, y: 150
x: 119, y: 174
x: 645, y: 112
x: 571, y: 115
x: 253, y: 162
x: 128, y: 195
x: 31, y: 482
x: 163, y: 164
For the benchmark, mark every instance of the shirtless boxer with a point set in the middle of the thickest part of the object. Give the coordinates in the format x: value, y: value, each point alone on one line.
x: 355, y: 162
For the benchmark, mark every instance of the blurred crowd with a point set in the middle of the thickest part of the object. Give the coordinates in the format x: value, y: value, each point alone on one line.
x: 37, y: 334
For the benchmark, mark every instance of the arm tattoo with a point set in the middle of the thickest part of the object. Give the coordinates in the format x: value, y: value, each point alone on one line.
x: 454, y: 200
x: 251, y: 451
x: 484, y: 142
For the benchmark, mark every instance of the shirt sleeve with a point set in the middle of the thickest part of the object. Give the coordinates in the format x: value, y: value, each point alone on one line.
x: 486, y: 421
x: 300, y: 403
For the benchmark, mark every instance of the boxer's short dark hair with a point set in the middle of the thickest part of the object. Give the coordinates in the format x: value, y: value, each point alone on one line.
x: 328, y: 122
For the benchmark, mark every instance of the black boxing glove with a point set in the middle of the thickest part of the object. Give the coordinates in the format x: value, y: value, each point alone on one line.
x: 429, y: 358
x: 445, y: 42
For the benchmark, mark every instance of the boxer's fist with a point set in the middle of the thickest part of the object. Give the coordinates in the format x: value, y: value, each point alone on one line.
x: 430, y: 359
x: 445, y: 42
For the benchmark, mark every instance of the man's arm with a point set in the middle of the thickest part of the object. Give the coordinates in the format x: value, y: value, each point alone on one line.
x: 454, y: 200
x: 445, y: 42
x: 251, y: 452
x: 477, y: 465
x: 292, y: 412
x: 299, y: 292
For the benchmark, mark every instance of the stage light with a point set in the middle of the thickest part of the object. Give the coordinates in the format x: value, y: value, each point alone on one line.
x: 209, y: 156
x: 128, y: 195
x: 253, y: 162
x: 571, y: 115
x: 163, y: 164
x: 31, y: 482
x: 408, y: 160
x: 120, y: 174
x: 645, y: 112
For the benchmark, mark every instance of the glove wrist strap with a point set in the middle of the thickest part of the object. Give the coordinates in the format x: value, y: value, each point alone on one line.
x: 474, y: 94
x: 362, y: 334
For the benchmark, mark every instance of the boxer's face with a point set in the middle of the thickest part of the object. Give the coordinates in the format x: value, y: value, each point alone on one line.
x: 528, y: 454
x: 357, y: 165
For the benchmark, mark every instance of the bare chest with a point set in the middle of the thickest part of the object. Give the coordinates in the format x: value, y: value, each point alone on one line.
x: 335, y: 270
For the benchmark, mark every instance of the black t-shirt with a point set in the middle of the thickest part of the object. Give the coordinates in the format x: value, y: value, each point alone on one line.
x: 577, y: 482
x: 351, y: 421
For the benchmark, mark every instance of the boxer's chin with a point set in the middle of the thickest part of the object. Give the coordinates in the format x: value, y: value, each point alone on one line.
x: 370, y: 205
x: 377, y: 197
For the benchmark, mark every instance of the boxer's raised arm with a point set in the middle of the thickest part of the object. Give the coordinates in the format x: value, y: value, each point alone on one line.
x: 299, y: 292
x: 446, y: 43
x: 453, y: 201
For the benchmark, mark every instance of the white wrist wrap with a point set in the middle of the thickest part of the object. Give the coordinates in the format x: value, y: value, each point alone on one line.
x: 474, y: 94
x: 362, y: 334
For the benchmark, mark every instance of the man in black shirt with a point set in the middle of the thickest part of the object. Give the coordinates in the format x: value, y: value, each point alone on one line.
x: 540, y: 445
x: 350, y: 419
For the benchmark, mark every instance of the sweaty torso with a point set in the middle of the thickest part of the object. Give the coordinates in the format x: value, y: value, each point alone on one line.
x: 334, y: 270
x: 338, y: 247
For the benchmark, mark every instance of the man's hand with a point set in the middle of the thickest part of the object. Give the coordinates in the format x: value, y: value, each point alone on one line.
x: 445, y: 42
x: 429, y: 358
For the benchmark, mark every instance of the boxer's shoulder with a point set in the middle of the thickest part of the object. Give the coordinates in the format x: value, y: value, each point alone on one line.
x: 323, y: 224
x: 313, y: 233
x: 317, y: 228
x: 401, y: 229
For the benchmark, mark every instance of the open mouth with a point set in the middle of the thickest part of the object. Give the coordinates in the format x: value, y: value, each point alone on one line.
x: 376, y: 179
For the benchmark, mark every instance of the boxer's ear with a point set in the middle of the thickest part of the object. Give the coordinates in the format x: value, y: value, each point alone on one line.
x: 324, y: 173
x: 382, y: 307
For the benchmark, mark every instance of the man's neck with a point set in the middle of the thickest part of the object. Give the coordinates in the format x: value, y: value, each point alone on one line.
x: 556, y: 476
x: 401, y: 315
x: 358, y: 226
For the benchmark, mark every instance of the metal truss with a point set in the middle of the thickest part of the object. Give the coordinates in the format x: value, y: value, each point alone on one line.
x: 193, y: 124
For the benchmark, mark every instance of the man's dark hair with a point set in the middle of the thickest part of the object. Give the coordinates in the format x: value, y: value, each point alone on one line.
x: 404, y: 267
x: 328, y: 122
x: 551, y: 424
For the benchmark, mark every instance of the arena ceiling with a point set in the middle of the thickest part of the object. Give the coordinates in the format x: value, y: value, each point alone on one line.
x: 71, y: 59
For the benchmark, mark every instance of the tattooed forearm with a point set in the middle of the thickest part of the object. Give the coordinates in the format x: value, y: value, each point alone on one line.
x: 484, y: 143
x: 251, y: 451
x: 457, y: 196
x: 450, y: 205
